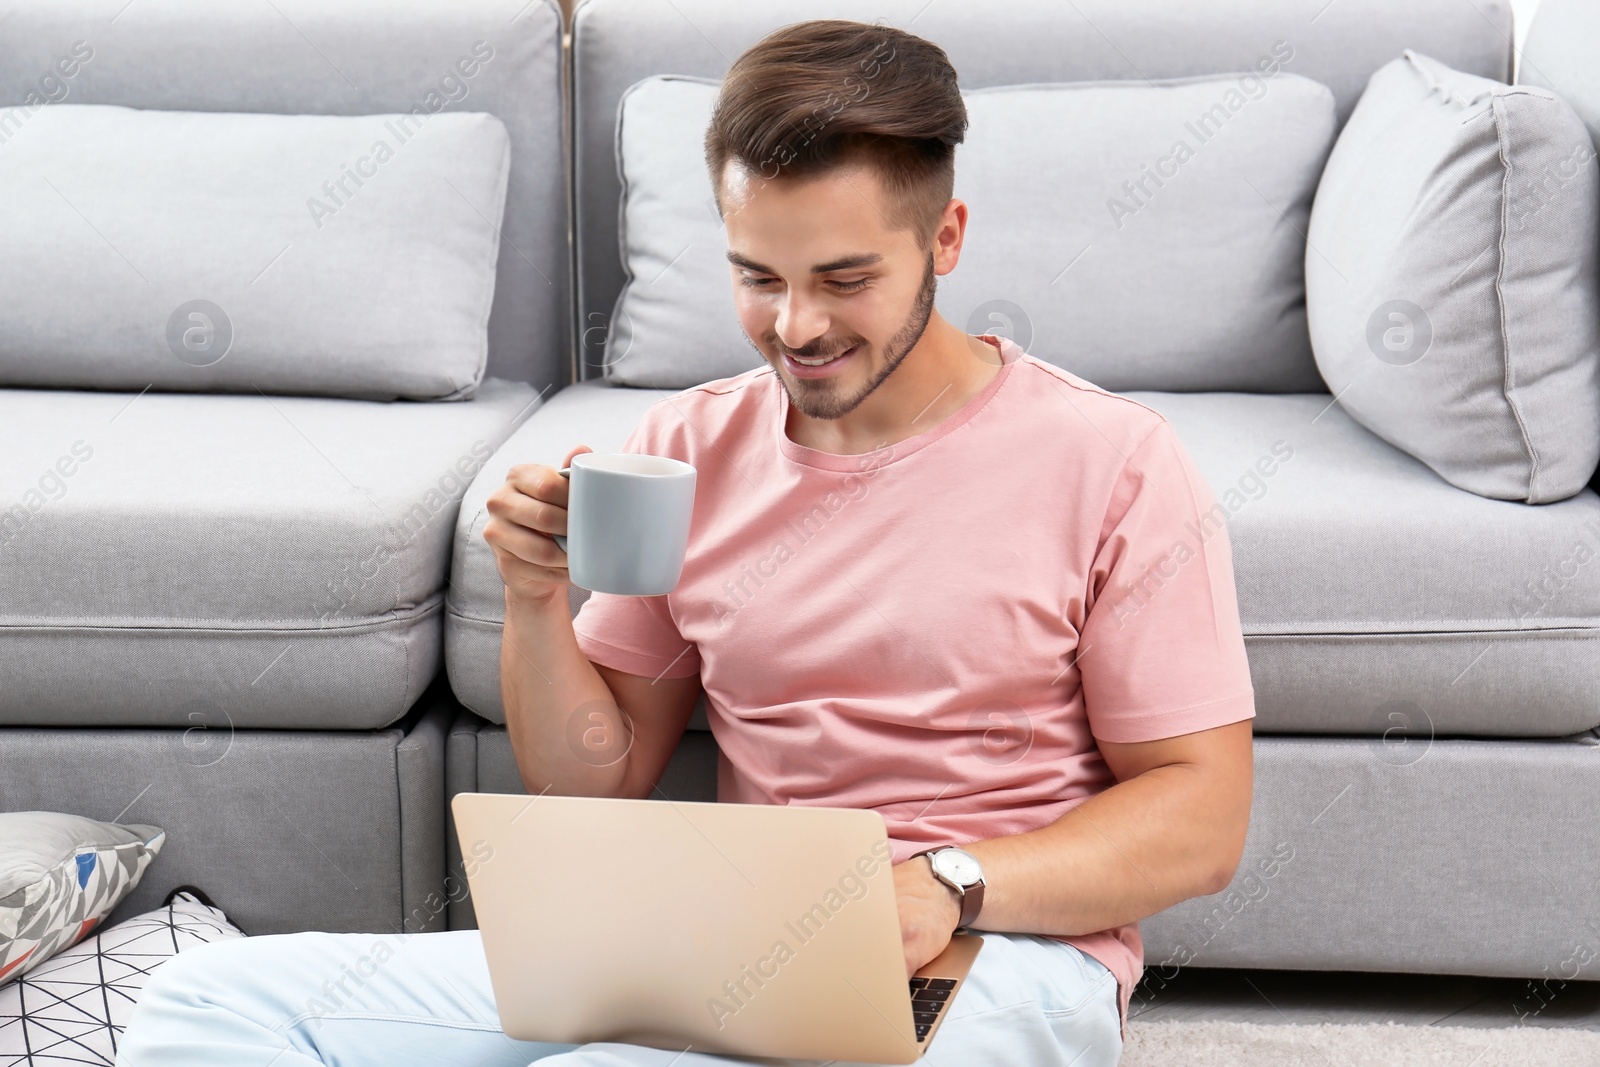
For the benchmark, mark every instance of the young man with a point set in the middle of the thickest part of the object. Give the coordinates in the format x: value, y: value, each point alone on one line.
x: 928, y: 574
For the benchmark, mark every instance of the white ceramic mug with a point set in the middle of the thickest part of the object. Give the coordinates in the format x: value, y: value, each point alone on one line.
x: 627, y: 522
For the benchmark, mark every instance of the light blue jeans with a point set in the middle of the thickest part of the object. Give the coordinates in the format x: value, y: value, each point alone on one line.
x: 367, y: 1000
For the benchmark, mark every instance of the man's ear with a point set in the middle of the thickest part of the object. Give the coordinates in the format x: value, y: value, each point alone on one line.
x: 947, y: 239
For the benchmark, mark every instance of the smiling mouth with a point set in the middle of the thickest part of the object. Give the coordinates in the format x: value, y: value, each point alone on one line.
x: 821, y: 361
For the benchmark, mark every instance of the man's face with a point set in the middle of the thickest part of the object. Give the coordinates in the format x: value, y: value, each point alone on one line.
x: 818, y: 273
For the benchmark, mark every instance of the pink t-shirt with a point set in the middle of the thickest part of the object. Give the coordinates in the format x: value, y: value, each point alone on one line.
x: 940, y: 629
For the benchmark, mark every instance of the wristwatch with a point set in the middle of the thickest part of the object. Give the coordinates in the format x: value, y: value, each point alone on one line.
x: 960, y: 870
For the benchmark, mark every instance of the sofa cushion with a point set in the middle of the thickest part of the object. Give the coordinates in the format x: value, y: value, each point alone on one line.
x: 1365, y: 580
x: 1112, y: 233
x: 1452, y: 283
x: 316, y: 254
x: 1085, y: 198
x: 504, y: 57
x: 179, y: 559
x: 59, y: 876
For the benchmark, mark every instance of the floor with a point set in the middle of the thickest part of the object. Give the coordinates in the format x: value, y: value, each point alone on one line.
x: 1309, y: 997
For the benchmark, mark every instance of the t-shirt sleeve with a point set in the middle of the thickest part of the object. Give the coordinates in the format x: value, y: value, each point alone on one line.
x: 636, y: 634
x: 1162, y: 652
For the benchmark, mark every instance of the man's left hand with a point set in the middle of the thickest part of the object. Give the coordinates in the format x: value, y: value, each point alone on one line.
x: 929, y: 911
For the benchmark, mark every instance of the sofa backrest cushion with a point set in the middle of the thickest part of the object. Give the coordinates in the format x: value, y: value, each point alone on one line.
x: 314, y: 254
x: 615, y: 43
x: 1144, y: 236
x: 355, y: 57
x: 1452, y: 288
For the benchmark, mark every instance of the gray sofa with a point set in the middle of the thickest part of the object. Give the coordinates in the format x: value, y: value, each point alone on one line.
x: 1365, y: 582
x: 228, y: 622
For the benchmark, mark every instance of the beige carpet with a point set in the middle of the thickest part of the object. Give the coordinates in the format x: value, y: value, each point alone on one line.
x: 1227, y: 1044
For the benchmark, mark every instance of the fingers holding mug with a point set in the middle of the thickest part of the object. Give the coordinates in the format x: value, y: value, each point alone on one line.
x: 526, y: 513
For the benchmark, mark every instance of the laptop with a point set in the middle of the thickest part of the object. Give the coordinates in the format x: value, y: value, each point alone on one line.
x: 735, y: 929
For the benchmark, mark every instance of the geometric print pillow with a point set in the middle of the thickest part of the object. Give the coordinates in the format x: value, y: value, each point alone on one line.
x: 59, y: 876
x: 73, y: 1008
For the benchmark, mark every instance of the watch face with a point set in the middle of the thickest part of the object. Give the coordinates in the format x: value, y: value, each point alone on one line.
x: 957, y: 865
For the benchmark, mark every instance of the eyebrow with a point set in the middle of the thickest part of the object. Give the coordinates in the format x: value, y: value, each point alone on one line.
x: 850, y: 262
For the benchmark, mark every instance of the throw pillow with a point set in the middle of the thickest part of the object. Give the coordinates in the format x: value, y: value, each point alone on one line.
x: 59, y: 876
x: 1451, y: 276
x: 1142, y: 235
x: 73, y: 1009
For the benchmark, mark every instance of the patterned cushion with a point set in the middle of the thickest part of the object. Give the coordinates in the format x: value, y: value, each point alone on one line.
x: 74, y: 1008
x: 59, y: 876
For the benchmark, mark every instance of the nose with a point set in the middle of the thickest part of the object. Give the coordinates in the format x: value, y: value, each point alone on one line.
x: 800, y: 320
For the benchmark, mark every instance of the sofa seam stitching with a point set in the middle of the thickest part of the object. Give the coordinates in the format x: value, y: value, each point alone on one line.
x: 1502, y: 118
x: 390, y: 618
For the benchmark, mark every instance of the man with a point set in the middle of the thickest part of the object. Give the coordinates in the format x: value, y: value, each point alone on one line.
x: 928, y: 574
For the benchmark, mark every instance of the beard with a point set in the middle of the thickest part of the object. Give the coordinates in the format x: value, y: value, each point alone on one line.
x: 822, y: 398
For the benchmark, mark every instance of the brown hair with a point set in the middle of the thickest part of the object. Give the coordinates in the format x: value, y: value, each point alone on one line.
x: 816, y: 95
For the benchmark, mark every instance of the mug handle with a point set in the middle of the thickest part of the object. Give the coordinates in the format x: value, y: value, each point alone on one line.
x: 560, y: 539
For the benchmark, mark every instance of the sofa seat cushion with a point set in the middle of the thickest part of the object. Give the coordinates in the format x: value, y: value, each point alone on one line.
x: 181, y: 559
x: 1373, y: 591
x: 1373, y: 594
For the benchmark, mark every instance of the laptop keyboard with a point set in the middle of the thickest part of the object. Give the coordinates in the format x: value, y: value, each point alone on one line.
x: 928, y: 998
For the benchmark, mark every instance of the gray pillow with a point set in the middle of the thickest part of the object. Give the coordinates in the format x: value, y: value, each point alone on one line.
x: 1194, y: 282
x: 59, y: 876
x: 1451, y: 279
x: 315, y: 254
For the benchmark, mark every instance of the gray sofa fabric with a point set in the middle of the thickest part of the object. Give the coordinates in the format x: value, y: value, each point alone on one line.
x: 307, y: 57
x: 285, y: 830
x: 1364, y: 578
x: 1215, y: 265
x: 478, y: 759
x: 615, y: 43
x: 320, y: 255
x: 267, y: 561
x: 1458, y: 857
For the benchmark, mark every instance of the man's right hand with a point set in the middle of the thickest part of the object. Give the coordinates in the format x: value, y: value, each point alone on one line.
x: 529, y: 506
